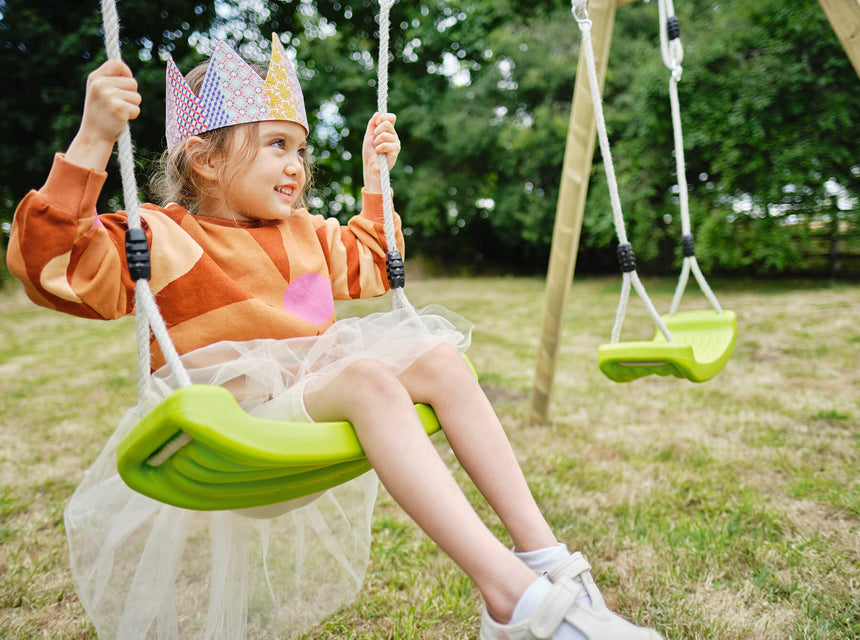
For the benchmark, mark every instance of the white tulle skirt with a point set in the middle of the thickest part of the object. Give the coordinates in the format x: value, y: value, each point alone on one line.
x: 144, y: 569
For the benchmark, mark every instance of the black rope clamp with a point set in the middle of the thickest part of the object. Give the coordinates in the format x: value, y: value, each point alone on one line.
x: 673, y: 28
x: 688, y: 245
x: 395, y: 270
x: 626, y: 257
x: 137, y: 254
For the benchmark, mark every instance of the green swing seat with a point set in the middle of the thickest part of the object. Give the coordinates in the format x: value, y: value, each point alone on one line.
x: 236, y: 461
x: 702, y: 343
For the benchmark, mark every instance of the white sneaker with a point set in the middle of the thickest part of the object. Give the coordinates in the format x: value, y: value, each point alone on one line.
x: 577, y: 568
x: 562, y: 605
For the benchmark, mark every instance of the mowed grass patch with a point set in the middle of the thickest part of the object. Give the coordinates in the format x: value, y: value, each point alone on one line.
x: 722, y: 510
x: 64, y: 385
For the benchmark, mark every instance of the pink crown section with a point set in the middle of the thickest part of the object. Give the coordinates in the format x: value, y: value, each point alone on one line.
x: 233, y: 93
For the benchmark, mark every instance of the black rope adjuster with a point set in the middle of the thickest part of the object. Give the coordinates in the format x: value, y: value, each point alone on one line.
x: 688, y: 245
x: 137, y: 254
x: 626, y: 257
x: 395, y: 269
x: 673, y: 28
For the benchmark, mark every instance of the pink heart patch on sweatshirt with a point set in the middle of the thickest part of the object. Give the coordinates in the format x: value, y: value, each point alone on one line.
x: 309, y: 297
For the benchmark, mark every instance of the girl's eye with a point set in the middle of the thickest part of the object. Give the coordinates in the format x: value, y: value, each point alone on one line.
x: 303, y: 152
x: 279, y: 143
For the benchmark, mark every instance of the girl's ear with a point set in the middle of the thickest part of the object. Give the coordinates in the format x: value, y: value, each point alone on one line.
x: 202, y: 162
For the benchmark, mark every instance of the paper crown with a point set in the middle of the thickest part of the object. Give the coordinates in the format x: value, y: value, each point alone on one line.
x: 233, y: 93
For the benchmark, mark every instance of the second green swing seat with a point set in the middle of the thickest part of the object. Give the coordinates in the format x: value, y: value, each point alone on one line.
x: 233, y: 460
x: 702, y: 343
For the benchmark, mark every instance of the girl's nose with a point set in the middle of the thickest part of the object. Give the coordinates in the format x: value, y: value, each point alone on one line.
x: 293, y: 166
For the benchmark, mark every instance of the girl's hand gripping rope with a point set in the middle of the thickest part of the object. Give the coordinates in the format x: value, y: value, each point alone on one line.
x: 111, y: 101
x: 380, y: 138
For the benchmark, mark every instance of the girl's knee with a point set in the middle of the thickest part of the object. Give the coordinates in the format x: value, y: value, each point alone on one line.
x: 439, y: 373
x: 447, y: 353
x: 369, y: 378
x: 443, y: 361
x: 360, y: 389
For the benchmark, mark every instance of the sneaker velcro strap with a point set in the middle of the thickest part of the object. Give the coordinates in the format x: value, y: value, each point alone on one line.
x: 572, y: 567
x: 552, y: 611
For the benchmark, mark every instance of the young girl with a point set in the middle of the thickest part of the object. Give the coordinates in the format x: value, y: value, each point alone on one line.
x: 245, y: 278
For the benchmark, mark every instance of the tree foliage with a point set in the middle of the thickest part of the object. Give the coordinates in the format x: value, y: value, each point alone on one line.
x: 482, y: 89
x: 47, y: 49
x: 769, y: 103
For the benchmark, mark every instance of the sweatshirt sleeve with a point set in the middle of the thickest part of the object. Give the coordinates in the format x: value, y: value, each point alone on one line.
x: 356, y: 251
x: 67, y: 257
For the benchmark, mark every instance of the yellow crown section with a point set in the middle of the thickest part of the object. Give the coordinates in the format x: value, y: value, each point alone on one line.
x: 281, y: 86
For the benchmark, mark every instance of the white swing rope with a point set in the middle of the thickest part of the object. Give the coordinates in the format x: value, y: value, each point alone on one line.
x: 673, y: 54
x: 148, y: 317
x: 629, y: 278
x: 398, y: 295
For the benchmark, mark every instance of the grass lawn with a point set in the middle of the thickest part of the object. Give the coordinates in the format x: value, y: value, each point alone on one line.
x: 726, y: 510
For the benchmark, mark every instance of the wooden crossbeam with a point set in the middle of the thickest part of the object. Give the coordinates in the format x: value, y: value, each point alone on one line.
x: 844, y: 16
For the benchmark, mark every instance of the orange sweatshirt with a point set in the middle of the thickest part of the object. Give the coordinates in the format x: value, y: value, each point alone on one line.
x: 213, y: 279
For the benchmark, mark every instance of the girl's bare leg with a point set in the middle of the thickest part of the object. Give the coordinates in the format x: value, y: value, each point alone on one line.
x: 382, y: 413
x: 442, y: 379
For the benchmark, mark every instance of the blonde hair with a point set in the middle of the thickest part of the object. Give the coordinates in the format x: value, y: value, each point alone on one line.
x: 175, y: 180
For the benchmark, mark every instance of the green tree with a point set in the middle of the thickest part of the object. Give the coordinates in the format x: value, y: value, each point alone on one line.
x: 483, y: 89
x: 769, y: 103
x: 482, y: 92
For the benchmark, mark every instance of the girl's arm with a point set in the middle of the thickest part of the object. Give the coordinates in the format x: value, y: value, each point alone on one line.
x: 67, y: 257
x: 355, y: 253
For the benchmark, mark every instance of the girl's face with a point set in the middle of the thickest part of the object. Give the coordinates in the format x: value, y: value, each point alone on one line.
x: 269, y: 185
